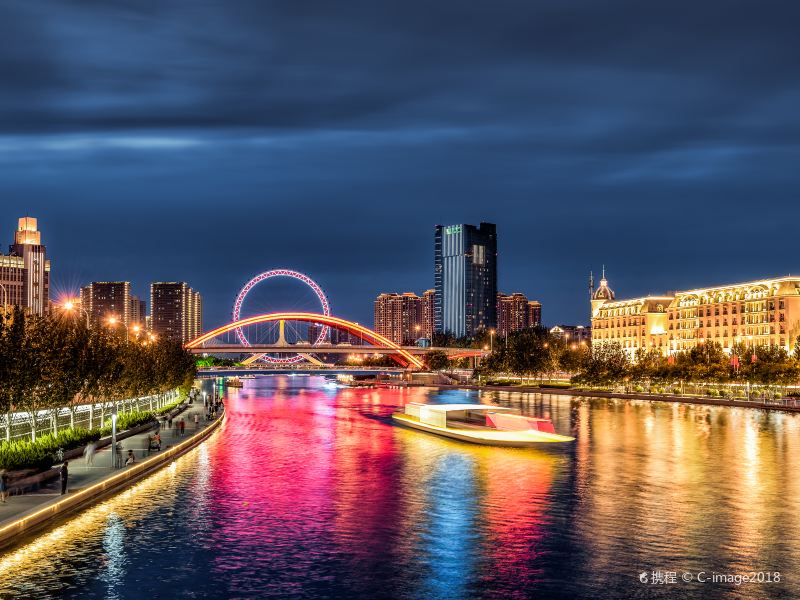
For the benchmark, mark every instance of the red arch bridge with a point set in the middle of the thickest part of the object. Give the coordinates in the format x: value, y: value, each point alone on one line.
x: 406, y: 356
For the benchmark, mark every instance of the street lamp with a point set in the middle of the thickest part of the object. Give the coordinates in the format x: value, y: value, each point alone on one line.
x: 70, y: 306
x: 113, y: 322
x: 114, y: 436
x: 491, y: 340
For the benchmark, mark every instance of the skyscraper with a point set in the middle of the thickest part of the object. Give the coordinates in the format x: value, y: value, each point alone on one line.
x: 25, y: 271
x: 465, y: 273
x: 104, y: 300
x: 534, y: 313
x: 428, y: 313
x: 176, y: 310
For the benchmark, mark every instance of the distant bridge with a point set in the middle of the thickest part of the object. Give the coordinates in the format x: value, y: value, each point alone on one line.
x: 203, y: 372
x: 406, y: 356
x: 305, y: 348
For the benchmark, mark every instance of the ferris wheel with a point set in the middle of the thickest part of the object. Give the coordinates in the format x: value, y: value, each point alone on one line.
x: 288, y: 273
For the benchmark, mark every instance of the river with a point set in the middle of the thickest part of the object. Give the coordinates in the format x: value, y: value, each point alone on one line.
x: 309, y: 491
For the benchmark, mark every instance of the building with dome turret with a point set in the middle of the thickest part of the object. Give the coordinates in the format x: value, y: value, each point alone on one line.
x: 757, y: 313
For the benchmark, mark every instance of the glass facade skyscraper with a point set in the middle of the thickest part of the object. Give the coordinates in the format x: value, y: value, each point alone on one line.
x: 465, y: 273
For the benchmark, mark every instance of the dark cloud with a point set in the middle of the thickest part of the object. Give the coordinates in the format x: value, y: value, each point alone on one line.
x: 211, y: 140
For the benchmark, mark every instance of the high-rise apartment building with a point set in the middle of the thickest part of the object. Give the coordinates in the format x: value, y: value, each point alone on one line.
x: 138, y: 312
x: 512, y: 313
x: 428, y: 313
x: 25, y: 271
x: 176, y: 311
x: 534, y: 313
x: 755, y: 313
x: 398, y: 317
x: 465, y: 274
x: 107, y: 300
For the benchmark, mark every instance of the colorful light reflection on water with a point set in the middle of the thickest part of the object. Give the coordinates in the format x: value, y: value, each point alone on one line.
x: 309, y: 491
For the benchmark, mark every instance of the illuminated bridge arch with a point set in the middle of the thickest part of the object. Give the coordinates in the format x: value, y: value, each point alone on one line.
x: 401, y: 356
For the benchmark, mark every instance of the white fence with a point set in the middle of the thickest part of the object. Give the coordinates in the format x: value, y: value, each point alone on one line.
x: 21, y: 425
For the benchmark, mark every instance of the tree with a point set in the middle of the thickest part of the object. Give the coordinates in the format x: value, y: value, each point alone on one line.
x: 437, y: 360
x: 606, y: 364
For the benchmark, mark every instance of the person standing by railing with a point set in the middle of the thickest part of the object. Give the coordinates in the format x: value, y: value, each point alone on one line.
x: 3, y: 485
x: 64, y: 477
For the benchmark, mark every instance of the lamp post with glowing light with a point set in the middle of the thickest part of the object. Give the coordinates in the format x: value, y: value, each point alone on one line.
x: 113, y: 322
x: 70, y: 306
x: 114, y: 436
x: 491, y: 341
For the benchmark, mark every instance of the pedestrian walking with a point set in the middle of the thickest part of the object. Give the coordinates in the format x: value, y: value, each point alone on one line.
x: 88, y: 453
x: 64, y: 476
x: 118, y: 452
x: 183, y: 426
x: 196, y: 420
x: 3, y: 486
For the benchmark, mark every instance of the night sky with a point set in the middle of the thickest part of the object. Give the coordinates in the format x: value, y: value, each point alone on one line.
x: 209, y: 141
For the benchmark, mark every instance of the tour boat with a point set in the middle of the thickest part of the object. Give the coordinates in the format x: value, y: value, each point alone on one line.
x: 479, y: 424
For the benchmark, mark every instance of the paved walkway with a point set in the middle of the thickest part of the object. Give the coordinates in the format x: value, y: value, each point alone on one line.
x: 82, y: 475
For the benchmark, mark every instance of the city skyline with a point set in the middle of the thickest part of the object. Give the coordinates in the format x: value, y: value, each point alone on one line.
x: 66, y: 286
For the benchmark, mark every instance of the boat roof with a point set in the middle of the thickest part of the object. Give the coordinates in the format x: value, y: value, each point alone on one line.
x: 452, y: 407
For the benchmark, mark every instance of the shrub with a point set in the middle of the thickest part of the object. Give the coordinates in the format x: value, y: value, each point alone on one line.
x: 129, y: 421
x: 172, y: 405
x: 676, y: 391
x: 25, y: 454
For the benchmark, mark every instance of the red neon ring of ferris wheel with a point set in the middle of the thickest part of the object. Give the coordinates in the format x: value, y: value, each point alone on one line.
x: 323, y: 300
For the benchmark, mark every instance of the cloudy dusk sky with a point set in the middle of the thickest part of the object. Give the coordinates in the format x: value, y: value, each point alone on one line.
x: 210, y: 141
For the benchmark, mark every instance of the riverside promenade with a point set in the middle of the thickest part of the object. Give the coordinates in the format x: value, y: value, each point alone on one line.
x: 85, y: 477
x: 785, y: 405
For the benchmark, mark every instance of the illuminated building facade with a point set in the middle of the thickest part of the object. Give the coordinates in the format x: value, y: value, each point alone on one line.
x: 534, y: 313
x: 104, y: 300
x: 465, y: 274
x: 756, y: 313
x: 25, y: 271
x: 176, y: 311
x: 573, y: 335
x: 428, y: 313
x: 512, y: 313
x: 138, y: 312
x: 398, y: 317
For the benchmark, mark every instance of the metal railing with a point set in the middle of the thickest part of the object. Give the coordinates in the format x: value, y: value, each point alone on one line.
x: 19, y: 425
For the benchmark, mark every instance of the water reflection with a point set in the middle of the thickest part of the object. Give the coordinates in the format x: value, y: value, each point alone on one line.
x: 310, y: 491
x: 113, y: 558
